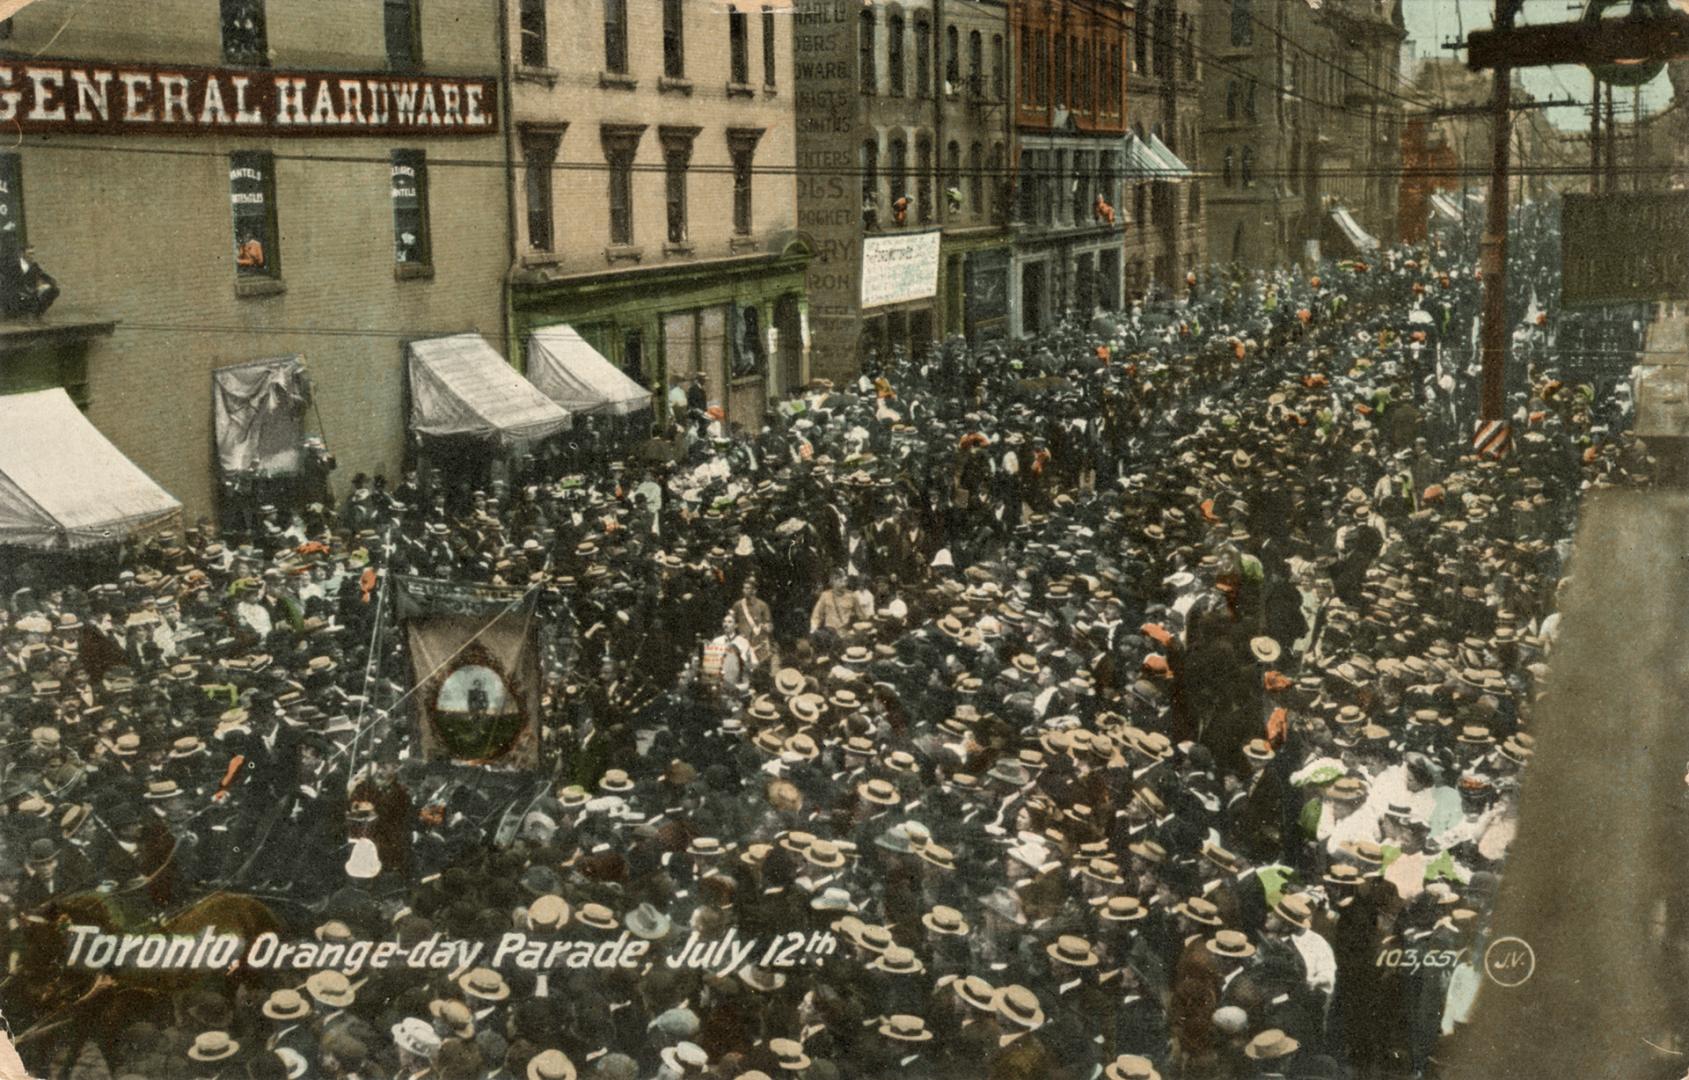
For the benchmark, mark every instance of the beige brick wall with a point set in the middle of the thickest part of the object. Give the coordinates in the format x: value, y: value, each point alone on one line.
x: 572, y: 94
x: 139, y: 229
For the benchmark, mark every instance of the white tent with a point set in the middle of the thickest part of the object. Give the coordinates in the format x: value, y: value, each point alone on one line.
x: 64, y: 485
x: 460, y: 385
x: 568, y: 370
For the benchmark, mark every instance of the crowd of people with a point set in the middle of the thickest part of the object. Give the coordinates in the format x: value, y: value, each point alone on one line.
x: 1113, y: 704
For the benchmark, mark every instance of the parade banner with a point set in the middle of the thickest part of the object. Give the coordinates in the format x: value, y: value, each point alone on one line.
x: 899, y: 269
x: 475, y: 664
x: 79, y: 97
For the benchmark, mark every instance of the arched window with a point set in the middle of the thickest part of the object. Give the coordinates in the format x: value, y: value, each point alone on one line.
x: 976, y: 180
x: 923, y: 179
x: 999, y: 183
x: 865, y: 50
x: 1025, y: 66
x: 997, y: 67
x: 894, y: 54
x: 1247, y: 169
x: 1227, y: 165
x: 1061, y: 70
x: 976, y: 65
x: 1231, y: 99
x: 952, y: 60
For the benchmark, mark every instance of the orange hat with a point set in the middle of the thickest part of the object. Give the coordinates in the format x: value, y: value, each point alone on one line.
x: 1363, y: 408
x: 1157, y: 633
x: 1434, y: 493
x: 1274, y: 682
x: 1207, y: 508
x: 1156, y: 664
x: 1278, y: 726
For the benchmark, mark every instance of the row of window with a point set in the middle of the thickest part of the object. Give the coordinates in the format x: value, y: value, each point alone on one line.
x: 1070, y: 72
x: 621, y: 146
x: 535, y: 36
x: 246, y: 39
x: 975, y: 194
x: 257, y: 233
x: 1238, y: 165
x: 896, y: 82
x: 1168, y: 34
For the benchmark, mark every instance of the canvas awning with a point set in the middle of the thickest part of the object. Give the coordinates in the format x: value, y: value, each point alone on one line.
x: 260, y: 416
x: 1180, y: 171
x: 1357, y: 237
x: 460, y: 385
x: 564, y: 367
x: 1143, y: 163
x: 63, y: 485
x: 1444, y: 207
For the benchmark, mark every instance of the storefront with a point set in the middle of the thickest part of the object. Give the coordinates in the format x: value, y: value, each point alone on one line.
x: 737, y: 322
x: 974, y: 284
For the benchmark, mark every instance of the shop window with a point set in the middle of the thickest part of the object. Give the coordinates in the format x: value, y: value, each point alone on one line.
x: 539, y: 152
x: 674, y: 39
x: 533, y: 33
x: 244, y: 39
x: 616, y: 37
x: 410, y: 208
x: 741, y: 147
x: 402, y: 26
x: 923, y: 57
x: 768, y: 42
x: 252, y: 192
x: 620, y: 144
x: 738, y: 46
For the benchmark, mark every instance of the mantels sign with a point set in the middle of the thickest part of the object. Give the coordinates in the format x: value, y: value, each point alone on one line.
x: 138, y: 99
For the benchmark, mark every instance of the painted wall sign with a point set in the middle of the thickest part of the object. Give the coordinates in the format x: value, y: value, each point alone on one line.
x: 77, y: 97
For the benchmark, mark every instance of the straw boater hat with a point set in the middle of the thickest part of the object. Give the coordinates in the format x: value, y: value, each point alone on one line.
x: 1130, y: 1067
x: 945, y: 920
x: 548, y: 912
x: 484, y: 984
x: 213, y: 1046
x: 1231, y: 943
x: 1020, y: 1006
x: 1072, y: 950
x: 905, y: 1028
x: 286, y: 1004
x: 789, y: 1054
x: 1270, y: 1044
x: 330, y: 988
x: 1122, y: 909
x: 551, y: 1065
x: 596, y: 916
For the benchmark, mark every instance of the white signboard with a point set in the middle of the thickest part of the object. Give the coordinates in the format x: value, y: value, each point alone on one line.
x: 899, y: 269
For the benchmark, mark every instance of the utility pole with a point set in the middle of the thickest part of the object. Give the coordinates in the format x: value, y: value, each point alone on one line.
x: 1594, y: 135
x: 1492, y: 401
x: 1612, y: 145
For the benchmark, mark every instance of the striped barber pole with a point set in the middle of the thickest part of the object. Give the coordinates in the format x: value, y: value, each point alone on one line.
x: 1492, y: 439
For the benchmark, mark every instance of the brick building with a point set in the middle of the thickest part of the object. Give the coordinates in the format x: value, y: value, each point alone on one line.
x: 1302, y: 121
x: 903, y: 134
x: 655, y: 194
x: 1070, y: 120
x: 215, y: 184
x: 1165, y: 233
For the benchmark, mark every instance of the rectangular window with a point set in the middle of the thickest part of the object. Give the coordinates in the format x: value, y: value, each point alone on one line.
x: 616, y: 37
x: 768, y: 44
x: 252, y: 193
x: 400, y: 22
x: 410, y: 207
x: 894, y: 54
x: 738, y: 46
x: 976, y: 178
x: 12, y: 230
x: 539, y: 151
x: 677, y: 158
x: 923, y: 57
x: 1243, y: 23
x: 674, y: 39
x: 899, y: 169
x: 870, y: 165
x: 621, y: 142
x: 244, y: 38
x: 742, y: 191
x: 533, y: 33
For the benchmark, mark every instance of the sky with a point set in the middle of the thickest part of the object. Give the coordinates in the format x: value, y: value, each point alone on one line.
x: 1430, y: 23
